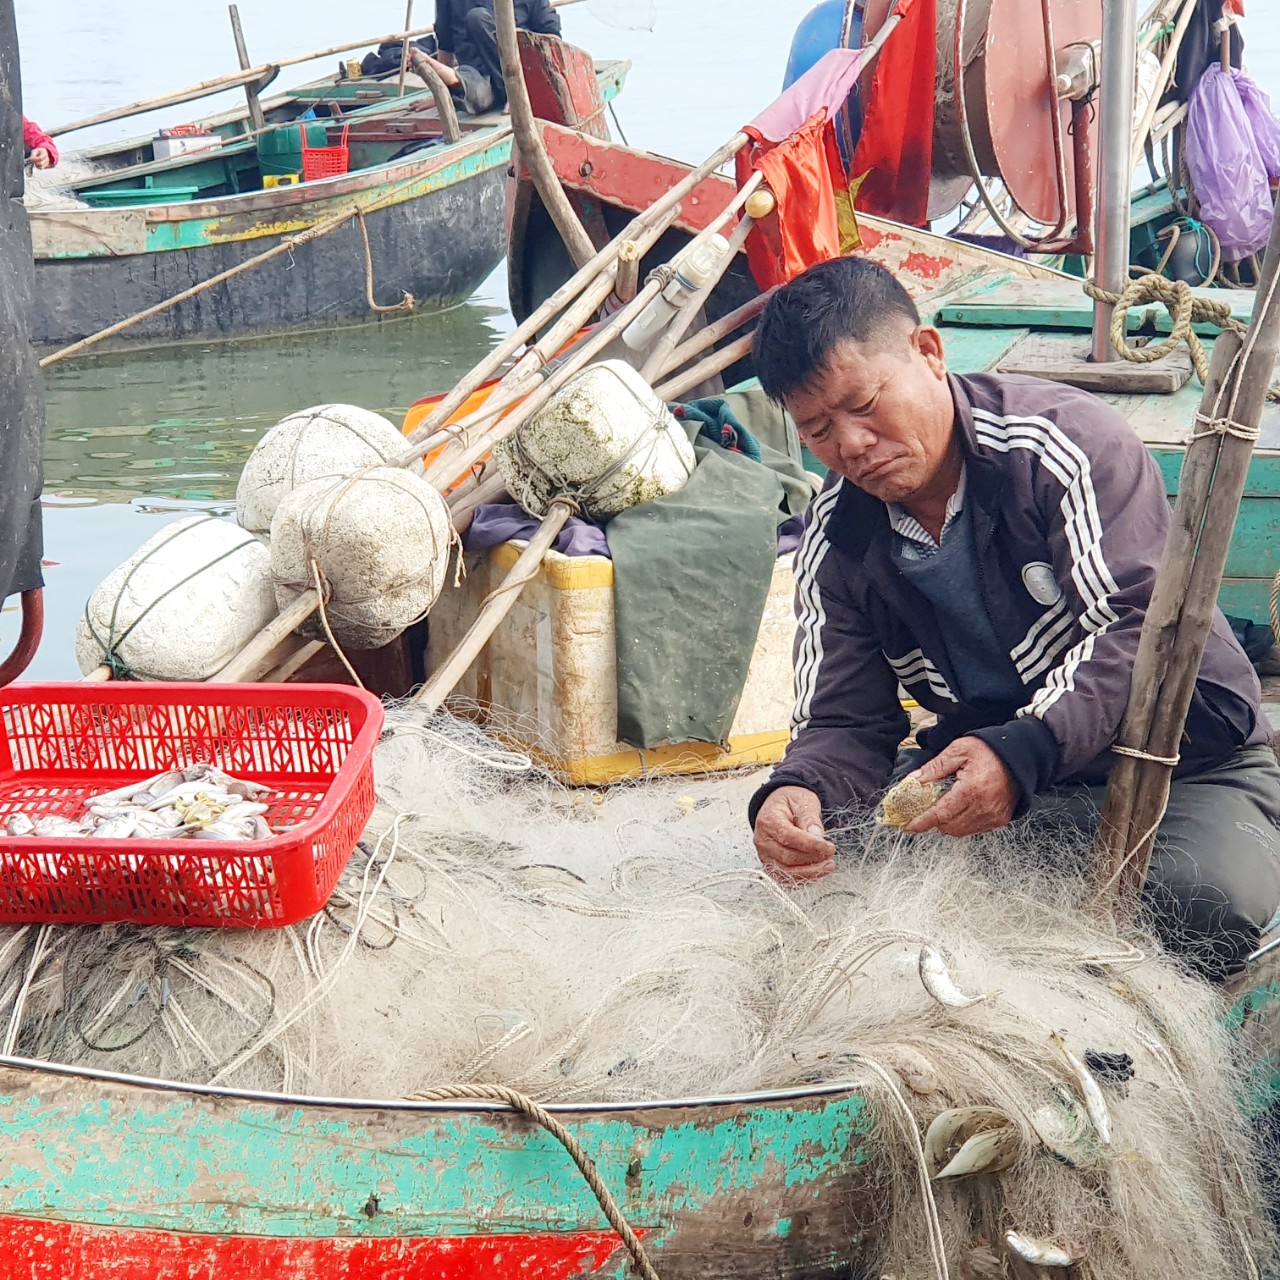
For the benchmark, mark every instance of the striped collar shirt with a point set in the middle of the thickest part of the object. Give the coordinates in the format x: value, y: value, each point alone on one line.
x: 917, y: 542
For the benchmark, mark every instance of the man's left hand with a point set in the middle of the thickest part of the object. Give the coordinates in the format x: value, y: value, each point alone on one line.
x: 984, y: 795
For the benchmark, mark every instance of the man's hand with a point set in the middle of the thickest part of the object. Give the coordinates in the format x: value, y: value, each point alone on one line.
x: 40, y: 158
x: 790, y: 838
x: 984, y: 795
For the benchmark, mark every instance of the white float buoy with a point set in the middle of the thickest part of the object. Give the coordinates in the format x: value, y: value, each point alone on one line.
x: 325, y: 441
x: 186, y: 602
x: 381, y: 541
x: 604, y: 440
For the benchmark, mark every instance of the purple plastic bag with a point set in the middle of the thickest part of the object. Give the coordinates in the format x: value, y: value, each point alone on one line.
x: 1226, y: 165
x: 1266, y: 128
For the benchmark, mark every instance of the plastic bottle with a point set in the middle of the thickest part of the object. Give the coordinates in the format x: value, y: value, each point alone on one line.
x: 692, y: 270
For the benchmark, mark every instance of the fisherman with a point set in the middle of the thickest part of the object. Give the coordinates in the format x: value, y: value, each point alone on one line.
x: 990, y: 543
x: 40, y: 150
x: 466, y: 35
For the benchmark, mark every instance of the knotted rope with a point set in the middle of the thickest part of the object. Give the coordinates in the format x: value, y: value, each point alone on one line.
x: 1185, y: 308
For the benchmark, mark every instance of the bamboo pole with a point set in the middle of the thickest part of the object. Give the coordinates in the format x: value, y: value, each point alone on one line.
x: 628, y: 280
x: 1184, y: 597
x: 529, y: 140
x: 666, y: 204
x: 709, y: 335
x: 404, y: 47
x: 715, y: 363
x: 1162, y: 79
x: 260, y: 655
x: 519, y: 379
x: 475, y: 443
x: 556, y: 303
x: 664, y: 347
x: 495, y: 608
x: 303, y: 652
x: 258, y: 120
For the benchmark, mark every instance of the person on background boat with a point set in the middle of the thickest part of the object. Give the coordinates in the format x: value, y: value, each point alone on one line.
x: 990, y: 543
x: 39, y: 148
x: 466, y: 33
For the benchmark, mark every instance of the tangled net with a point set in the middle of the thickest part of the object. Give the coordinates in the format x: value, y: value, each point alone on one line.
x: 1068, y: 1084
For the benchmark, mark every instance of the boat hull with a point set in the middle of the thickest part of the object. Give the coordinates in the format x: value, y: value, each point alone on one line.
x: 116, y: 1181
x: 438, y: 247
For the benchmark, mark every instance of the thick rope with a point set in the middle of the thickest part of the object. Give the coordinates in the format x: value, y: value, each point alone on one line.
x: 406, y: 303
x: 1275, y: 609
x: 1185, y: 308
x: 526, y: 1106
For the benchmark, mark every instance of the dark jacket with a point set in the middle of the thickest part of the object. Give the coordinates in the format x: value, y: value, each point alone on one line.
x: 1070, y: 516
x: 453, y: 36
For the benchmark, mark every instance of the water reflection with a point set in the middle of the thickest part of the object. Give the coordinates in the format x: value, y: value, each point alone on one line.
x: 138, y: 441
x: 178, y: 423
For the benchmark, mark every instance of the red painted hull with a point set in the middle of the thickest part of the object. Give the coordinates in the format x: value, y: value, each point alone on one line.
x: 37, y: 1249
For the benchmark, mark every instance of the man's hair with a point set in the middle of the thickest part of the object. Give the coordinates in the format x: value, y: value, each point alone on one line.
x: 844, y: 299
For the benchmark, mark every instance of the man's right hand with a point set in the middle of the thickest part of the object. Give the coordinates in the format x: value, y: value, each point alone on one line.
x: 790, y: 838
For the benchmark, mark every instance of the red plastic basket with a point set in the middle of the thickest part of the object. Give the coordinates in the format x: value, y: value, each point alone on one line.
x: 60, y: 743
x: 325, y: 162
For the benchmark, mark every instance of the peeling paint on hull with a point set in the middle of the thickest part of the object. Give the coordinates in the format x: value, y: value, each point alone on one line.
x: 122, y: 1180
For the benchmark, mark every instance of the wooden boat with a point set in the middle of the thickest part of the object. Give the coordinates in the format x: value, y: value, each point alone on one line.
x: 120, y: 1179
x: 113, y: 1177
x: 995, y: 312
x: 147, y: 228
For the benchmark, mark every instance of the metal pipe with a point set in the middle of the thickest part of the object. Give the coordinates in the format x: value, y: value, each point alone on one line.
x: 1115, y: 174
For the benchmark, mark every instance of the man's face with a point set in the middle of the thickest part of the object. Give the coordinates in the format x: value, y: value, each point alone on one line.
x: 883, y: 419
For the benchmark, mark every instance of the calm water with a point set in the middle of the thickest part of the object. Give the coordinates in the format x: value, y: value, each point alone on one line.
x: 136, y: 441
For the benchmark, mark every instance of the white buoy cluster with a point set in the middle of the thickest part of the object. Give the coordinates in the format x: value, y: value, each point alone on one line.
x: 316, y: 499
x: 331, y: 506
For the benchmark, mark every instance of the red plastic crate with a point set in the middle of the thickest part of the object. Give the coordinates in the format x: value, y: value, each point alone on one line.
x: 325, y: 162
x: 60, y: 743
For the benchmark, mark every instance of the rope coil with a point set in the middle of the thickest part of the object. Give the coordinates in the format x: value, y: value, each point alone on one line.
x: 1185, y: 309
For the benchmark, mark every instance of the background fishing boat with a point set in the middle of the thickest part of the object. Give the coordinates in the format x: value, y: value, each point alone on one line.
x: 399, y: 205
x: 995, y: 311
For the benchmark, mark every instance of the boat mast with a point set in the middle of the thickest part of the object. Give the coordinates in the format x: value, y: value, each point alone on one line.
x: 1115, y: 174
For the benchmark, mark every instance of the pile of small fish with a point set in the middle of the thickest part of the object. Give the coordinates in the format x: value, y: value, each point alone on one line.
x: 200, y: 802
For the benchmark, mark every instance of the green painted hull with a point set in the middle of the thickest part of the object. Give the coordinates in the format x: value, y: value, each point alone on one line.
x: 769, y: 1185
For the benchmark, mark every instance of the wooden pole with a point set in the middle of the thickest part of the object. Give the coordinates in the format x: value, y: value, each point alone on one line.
x: 1167, y: 64
x: 495, y: 608
x: 715, y: 363
x: 659, y: 214
x: 258, y: 120
x: 259, y: 655
x: 529, y: 140
x: 1184, y: 597
x: 404, y: 48
x: 708, y: 336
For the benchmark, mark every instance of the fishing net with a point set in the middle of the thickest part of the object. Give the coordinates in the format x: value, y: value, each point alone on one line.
x: 1068, y: 1084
